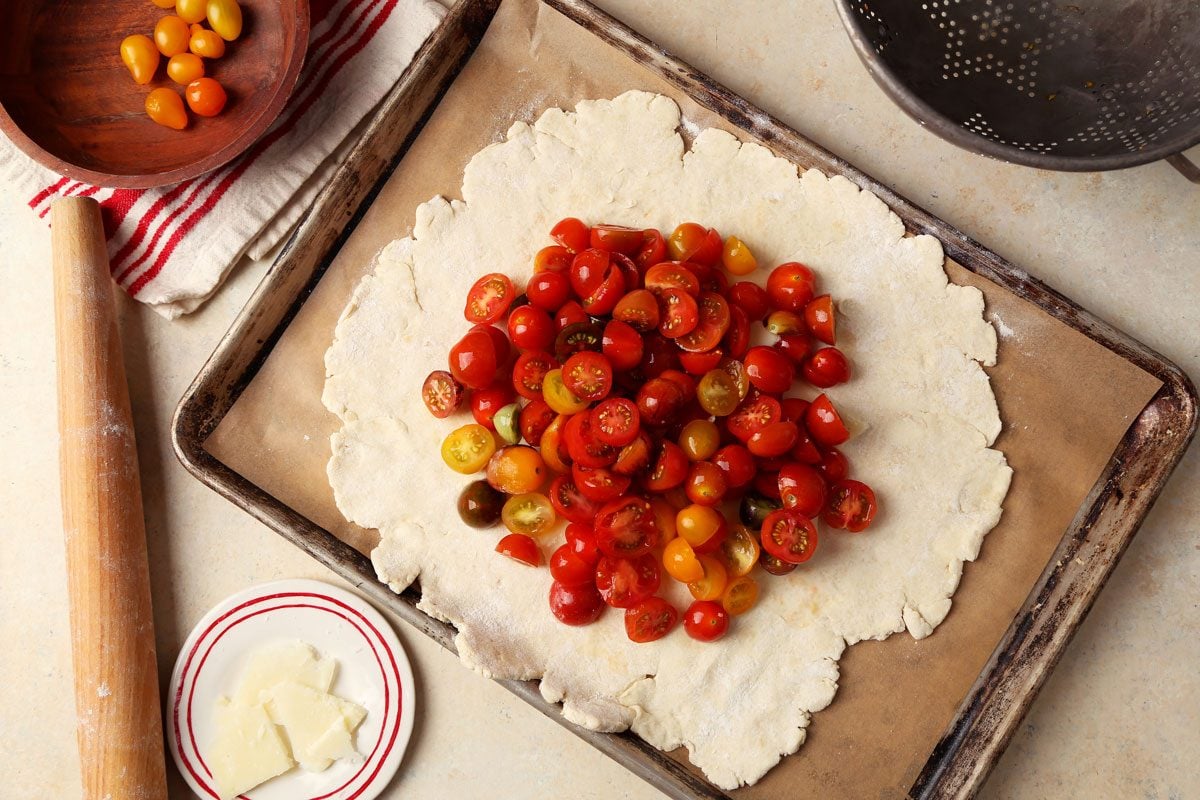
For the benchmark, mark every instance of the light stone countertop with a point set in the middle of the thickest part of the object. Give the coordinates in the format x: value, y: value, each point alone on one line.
x: 1119, y: 718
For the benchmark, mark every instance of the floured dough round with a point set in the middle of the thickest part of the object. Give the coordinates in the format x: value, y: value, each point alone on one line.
x: 916, y: 342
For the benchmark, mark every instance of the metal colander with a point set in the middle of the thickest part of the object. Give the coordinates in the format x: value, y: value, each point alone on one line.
x: 1082, y: 85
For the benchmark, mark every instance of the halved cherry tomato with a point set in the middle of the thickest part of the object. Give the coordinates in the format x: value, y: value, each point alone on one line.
x: 685, y: 382
x: 754, y: 415
x: 680, y: 562
x: 669, y: 470
x: 750, y: 298
x: 782, y: 323
x: 802, y: 487
x: 616, y: 421
x: 736, y: 463
x: 638, y: 310
x: 516, y: 469
x: 833, y: 465
x: 548, y: 290
x: 713, y: 543
x: 500, y: 342
x: 711, y: 585
x: 530, y: 328
x: 635, y: 456
x: 795, y: 346
x: 705, y: 484
x: 529, y: 513
x: 706, y: 621
x: 737, y: 338
x: 626, y: 528
x: 714, y: 322
x: 693, y: 242
x: 851, y: 506
x: 443, y: 395
x: 700, y: 363
x: 805, y: 451
x: 696, y: 524
x: 621, y: 345
x: 776, y: 566
x: 659, y: 399
x: 678, y: 313
x: 588, y: 376
x: 569, y: 569
x: 789, y: 536
x: 717, y: 393
x: 529, y: 373
x: 664, y: 518
x: 824, y: 422
x: 554, y: 258
x: 467, y: 449
x: 773, y: 440
x: 616, y: 239
x: 553, y: 448
x: 658, y: 354
x: 486, y: 402
x: 572, y: 234
x: 205, y: 97
x: 625, y: 582
x: 650, y: 620
x: 827, y: 367
x: 740, y: 595
x: 473, y: 360
x: 737, y: 258
x: 793, y: 409
x: 489, y: 298
x: 520, y: 547
x: 766, y: 482
x: 558, y: 396
x: 575, y: 605
x: 671, y: 275
x: 583, y: 446
x: 597, y: 280
x: 652, y: 250
x: 736, y: 370
x: 739, y: 551
x: 790, y: 286
x: 582, y: 541
x: 535, y: 417
x: 570, y: 503
x: 819, y: 316
x: 769, y: 370
x: 599, y: 484
x: 570, y: 313
x: 699, y: 439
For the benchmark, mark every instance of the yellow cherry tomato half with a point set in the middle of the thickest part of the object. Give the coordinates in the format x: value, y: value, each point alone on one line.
x: 530, y: 514
x: 466, y: 449
x: 225, y: 17
x: 165, y: 107
x: 171, y: 35
x: 140, y: 57
x: 206, y: 43
x: 697, y: 523
x: 185, y: 68
x: 680, y: 561
x: 699, y: 439
x: 516, y: 469
x: 740, y: 551
x: 737, y: 258
x: 740, y: 595
x: 191, y: 10
x: 206, y: 97
x: 711, y: 585
x: 558, y: 396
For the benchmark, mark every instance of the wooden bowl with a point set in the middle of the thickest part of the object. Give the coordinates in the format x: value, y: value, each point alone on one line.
x: 68, y: 101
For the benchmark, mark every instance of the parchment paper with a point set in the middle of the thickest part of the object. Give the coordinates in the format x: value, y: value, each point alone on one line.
x: 1065, y: 402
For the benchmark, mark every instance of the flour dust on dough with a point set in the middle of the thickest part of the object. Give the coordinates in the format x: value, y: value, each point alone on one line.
x: 928, y: 413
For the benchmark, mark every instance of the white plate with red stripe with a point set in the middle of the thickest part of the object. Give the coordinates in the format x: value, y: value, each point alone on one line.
x: 372, y: 670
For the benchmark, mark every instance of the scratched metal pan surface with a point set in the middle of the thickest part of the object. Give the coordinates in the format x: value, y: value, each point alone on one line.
x: 984, y: 716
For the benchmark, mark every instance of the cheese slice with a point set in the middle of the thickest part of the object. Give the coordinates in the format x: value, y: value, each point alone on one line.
x: 319, y: 726
x: 273, y: 664
x: 246, y: 750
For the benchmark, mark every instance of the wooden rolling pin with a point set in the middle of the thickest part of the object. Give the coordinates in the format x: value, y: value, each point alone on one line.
x: 112, y: 629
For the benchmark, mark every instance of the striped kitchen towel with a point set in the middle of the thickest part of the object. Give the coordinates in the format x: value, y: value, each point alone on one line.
x: 171, y: 247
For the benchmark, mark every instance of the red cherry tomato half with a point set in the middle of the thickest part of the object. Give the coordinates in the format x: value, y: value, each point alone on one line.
x: 824, y: 423
x: 575, y: 605
x: 736, y: 463
x: 571, y: 234
x: 530, y: 328
x: 795, y: 346
x: 700, y: 363
x: 714, y: 321
x: 486, y: 402
x: 638, y: 310
x: 685, y: 382
x: 805, y: 451
x: 693, y: 242
x: 833, y: 465
x: 750, y: 298
x: 582, y: 445
x: 626, y: 528
x: 588, y: 375
x: 793, y: 409
x: 548, y: 290
x: 616, y: 421
x: 658, y: 354
x: 621, y: 345
x: 802, y: 487
x: 582, y: 541
x: 625, y: 582
x: 819, y: 317
x: 489, y: 298
x: 473, y: 360
x: 737, y: 338
x: 649, y: 620
x: 790, y: 286
x: 569, y: 569
x: 554, y: 258
x: 671, y: 275
x: 789, y: 536
x: 827, y: 367
x: 706, y: 620
x: 616, y: 239
x: 659, y: 400
x: 599, y: 484
x: 773, y: 440
x: 520, y: 547
x: 570, y: 503
x: 652, y: 250
x: 635, y: 456
x: 670, y: 468
x: 769, y: 370
x: 442, y: 394
x: 529, y: 372
x: 851, y: 505
x: 677, y: 312
x: 756, y: 413
x: 597, y: 281
x: 570, y: 313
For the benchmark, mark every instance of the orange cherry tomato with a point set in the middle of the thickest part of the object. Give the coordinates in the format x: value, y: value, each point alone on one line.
x: 206, y: 97
x: 185, y: 68
x: 711, y: 585
x: 740, y: 595
x: 164, y: 3
x: 737, y: 258
x: 225, y: 17
x: 516, y: 469
x: 206, y: 43
x: 699, y: 439
x: 171, y: 35
x: 552, y: 446
x: 739, y: 551
x: 680, y: 561
x: 696, y: 524
x: 140, y: 57
x: 165, y: 107
x: 191, y: 10
x: 664, y: 517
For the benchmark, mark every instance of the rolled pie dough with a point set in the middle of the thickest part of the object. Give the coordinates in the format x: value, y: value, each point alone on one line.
x: 916, y: 343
